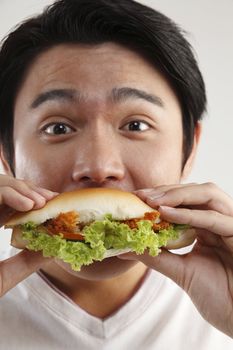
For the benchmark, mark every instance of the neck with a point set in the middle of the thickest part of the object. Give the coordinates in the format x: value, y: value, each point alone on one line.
x: 98, y: 298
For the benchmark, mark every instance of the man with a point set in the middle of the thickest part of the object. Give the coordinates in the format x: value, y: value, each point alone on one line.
x: 108, y: 94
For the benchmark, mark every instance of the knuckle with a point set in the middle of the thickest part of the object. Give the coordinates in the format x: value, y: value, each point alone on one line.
x: 5, y: 190
x: 28, y: 183
x: 211, y: 186
x: 14, y: 199
x: 9, y: 182
x: 21, y: 184
x: 5, y: 181
x: 213, y: 219
x: 188, y: 214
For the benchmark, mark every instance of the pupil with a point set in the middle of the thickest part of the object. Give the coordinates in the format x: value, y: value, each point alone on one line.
x: 134, y: 126
x: 59, y: 129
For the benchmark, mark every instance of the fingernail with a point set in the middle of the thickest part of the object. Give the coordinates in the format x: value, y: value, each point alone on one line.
x: 53, y: 194
x: 167, y: 209
x: 47, y: 193
x: 39, y: 201
x: 154, y: 196
x: 144, y: 190
x: 28, y: 204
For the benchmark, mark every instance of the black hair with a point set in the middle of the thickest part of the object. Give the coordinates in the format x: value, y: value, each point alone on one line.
x: 125, y: 22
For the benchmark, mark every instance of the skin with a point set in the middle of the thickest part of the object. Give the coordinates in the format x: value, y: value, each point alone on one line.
x: 100, y: 149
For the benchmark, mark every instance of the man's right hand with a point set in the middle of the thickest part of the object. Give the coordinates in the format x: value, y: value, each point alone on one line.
x: 20, y: 195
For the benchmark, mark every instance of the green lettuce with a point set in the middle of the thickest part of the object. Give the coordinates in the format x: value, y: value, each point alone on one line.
x: 99, y: 236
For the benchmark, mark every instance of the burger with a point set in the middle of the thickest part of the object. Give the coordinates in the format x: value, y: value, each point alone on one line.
x: 88, y: 225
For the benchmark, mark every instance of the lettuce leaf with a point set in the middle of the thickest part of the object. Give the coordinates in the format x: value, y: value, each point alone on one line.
x: 99, y: 236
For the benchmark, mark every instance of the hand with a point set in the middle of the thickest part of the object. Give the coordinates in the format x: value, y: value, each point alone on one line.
x: 206, y: 273
x: 19, y: 195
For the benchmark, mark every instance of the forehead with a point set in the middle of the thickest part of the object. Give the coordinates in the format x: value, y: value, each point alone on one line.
x: 94, y: 70
x: 85, y: 56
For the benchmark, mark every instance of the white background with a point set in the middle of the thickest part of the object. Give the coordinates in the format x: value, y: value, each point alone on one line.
x: 209, y: 28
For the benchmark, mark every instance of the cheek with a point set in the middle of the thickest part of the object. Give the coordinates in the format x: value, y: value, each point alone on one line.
x: 45, y: 167
x: 157, y: 163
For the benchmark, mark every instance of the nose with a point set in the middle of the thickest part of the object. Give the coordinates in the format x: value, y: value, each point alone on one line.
x: 99, y: 161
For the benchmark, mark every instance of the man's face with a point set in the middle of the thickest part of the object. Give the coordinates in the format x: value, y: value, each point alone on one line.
x: 96, y: 116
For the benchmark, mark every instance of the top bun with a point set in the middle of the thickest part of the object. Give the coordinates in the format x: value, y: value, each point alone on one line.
x: 91, y: 204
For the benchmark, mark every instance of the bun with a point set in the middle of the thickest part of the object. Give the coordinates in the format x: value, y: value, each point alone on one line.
x: 90, y: 203
x: 186, y: 238
x: 16, y: 239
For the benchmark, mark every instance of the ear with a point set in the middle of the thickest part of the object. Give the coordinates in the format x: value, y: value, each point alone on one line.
x: 189, y: 163
x: 3, y: 163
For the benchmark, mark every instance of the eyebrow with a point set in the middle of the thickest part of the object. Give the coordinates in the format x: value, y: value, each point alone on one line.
x: 117, y: 95
x: 55, y: 94
x: 125, y: 93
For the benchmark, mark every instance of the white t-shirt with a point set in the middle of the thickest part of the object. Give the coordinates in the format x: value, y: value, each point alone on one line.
x: 35, y: 315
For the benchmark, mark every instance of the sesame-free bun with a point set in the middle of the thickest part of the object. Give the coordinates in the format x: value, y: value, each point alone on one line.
x: 187, y: 237
x: 91, y: 204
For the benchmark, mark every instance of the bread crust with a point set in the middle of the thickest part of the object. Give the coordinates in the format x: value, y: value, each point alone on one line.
x: 90, y: 203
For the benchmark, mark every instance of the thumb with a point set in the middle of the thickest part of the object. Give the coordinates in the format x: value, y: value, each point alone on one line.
x: 17, y: 268
x: 169, y: 264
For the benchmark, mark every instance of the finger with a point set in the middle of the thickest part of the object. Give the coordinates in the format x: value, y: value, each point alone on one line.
x: 150, y: 194
x: 30, y: 192
x: 157, y: 191
x: 169, y: 264
x: 205, y: 219
x: 44, y: 192
x: 15, y: 200
x: 27, y: 189
x: 19, y: 267
x: 12, y: 201
x: 208, y: 195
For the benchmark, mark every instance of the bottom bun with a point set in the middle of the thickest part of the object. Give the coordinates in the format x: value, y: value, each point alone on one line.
x: 187, y: 237
x: 16, y: 239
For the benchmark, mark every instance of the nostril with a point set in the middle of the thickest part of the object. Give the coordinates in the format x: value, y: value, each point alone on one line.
x: 90, y: 174
x: 85, y: 179
x: 110, y: 178
x: 96, y: 180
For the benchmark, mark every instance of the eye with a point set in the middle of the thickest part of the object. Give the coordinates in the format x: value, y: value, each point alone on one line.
x: 137, y: 125
x: 57, y: 129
